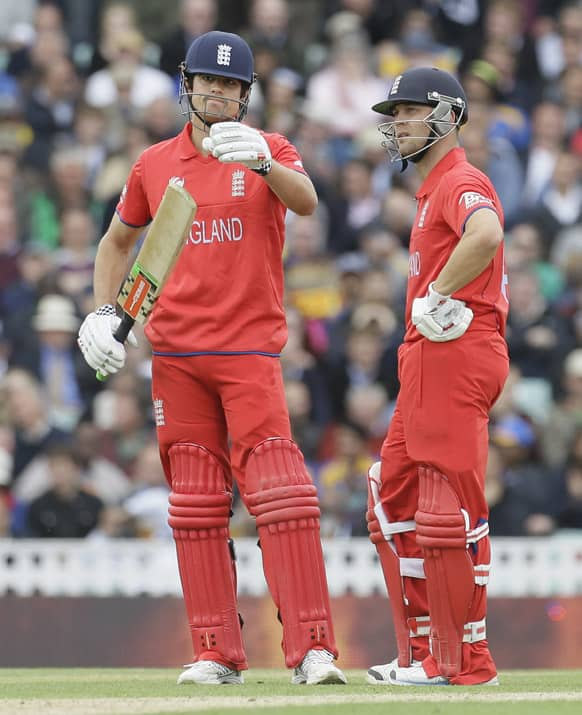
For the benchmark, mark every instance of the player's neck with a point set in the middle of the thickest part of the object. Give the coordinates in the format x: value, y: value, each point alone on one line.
x: 198, y: 132
x: 437, y: 152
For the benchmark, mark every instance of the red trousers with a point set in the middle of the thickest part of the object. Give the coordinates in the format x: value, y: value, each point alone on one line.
x: 441, y: 419
x: 207, y: 398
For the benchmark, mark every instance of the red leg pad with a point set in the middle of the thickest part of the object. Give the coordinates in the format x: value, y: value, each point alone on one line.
x: 390, y: 564
x: 441, y: 532
x: 283, y: 499
x: 199, y: 516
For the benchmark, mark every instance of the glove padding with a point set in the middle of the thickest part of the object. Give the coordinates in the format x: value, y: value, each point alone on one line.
x: 233, y: 142
x: 440, y: 318
x: 100, y: 349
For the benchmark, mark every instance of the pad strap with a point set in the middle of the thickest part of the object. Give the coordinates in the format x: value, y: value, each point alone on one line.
x: 473, y: 632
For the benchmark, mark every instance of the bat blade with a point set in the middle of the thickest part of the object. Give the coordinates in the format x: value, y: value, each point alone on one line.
x: 158, y: 253
x: 155, y: 259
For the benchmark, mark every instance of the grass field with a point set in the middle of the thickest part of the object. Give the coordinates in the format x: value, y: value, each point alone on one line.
x: 268, y: 692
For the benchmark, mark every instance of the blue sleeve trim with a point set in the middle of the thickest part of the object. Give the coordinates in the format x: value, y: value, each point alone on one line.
x: 132, y: 225
x: 217, y: 352
x: 477, y: 208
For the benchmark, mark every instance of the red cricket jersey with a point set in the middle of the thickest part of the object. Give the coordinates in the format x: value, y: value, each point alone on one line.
x: 225, y: 293
x: 449, y: 195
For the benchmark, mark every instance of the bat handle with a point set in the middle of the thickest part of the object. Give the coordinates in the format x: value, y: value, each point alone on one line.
x: 121, y: 333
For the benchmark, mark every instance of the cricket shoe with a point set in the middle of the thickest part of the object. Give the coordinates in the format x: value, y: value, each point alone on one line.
x: 317, y: 668
x: 393, y: 674
x: 209, y: 672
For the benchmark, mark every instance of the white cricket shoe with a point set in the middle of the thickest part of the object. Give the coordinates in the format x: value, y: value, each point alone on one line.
x: 317, y: 668
x: 393, y: 674
x: 209, y: 672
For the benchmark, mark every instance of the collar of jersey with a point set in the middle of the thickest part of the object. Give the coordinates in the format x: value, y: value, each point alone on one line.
x: 455, y: 156
x: 187, y: 148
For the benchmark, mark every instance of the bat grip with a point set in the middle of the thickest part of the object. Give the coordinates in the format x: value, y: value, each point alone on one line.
x: 123, y: 330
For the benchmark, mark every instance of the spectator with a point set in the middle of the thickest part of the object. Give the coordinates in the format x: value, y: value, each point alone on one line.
x: 29, y: 419
x: 127, y: 80
x: 537, y: 336
x: 305, y: 430
x: 527, y: 249
x: 76, y: 254
x: 50, y: 352
x: 497, y: 158
x: 548, y: 125
x: 346, y: 87
x: 66, y: 510
x: 148, y: 501
x: 561, y: 203
x: 196, y: 17
x: 565, y: 418
x: 570, y: 512
x: 50, y: 111
x: 355, y: 208
x: 527, y: 485
x: 342, y: 485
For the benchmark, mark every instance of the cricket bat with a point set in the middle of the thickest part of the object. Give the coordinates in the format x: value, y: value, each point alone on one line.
x: 155, y: 259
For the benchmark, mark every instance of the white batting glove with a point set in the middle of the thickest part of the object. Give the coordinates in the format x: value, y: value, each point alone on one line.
x: 440, y: 318
x: 100, y: 349
x: 233, y: 142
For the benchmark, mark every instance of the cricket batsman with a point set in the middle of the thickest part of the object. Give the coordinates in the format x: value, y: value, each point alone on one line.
x: 216, y: 332
x: 427, y: 511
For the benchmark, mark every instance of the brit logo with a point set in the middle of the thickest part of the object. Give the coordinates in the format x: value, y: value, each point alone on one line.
x: 238, y: 182
x: 177, y: 181
x: 396, y: 84
x: 223, y: 55
x: 159, y: 416
x: 472, y: 198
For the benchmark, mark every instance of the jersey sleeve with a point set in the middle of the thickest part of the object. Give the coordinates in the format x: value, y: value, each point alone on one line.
x: 133, y: 208
x: 464, y: 196
x: 284, y: 152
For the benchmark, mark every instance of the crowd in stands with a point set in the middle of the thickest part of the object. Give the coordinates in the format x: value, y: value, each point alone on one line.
x: 86, y: 86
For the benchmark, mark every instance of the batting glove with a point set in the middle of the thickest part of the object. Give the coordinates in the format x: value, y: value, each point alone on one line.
x: 440, y: 318
x: 233, y: 142
x: 100, y: 349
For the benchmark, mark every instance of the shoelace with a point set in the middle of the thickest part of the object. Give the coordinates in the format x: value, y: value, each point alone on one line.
x: 317, y: 656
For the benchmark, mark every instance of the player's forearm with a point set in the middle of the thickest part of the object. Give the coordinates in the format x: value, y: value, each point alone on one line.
x: 469, y: 259
x: 110, y: 268
x: 293, y: 188
x: 472, y: 255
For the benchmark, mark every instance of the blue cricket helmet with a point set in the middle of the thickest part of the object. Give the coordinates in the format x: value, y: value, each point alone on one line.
x: 426, y: 85
x: 220, y: 53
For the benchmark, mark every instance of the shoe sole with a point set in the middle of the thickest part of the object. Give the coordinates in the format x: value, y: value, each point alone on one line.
x: 330, y: 678
x: 226, y: 681
x: 380, y: 681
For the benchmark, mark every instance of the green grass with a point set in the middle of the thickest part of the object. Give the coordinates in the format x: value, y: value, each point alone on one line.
x: 154, y: 692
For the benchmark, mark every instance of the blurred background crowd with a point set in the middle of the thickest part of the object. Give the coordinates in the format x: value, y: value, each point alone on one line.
x: 86, y: 85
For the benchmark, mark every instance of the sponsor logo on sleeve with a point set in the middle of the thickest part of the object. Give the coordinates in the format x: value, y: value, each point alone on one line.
x: 474, y: 198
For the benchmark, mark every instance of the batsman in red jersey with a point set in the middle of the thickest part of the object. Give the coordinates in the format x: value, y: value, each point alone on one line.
x: 427, y: 510
x: 216, y: 333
